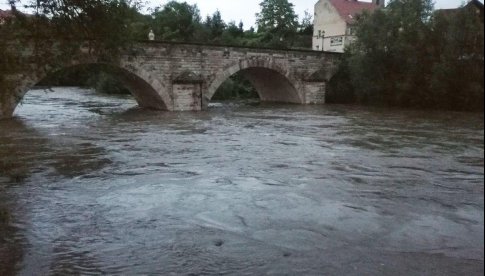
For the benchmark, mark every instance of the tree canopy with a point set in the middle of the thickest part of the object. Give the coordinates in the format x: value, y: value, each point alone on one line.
x: 215, y: 25
x: 410, y: 55
x: 278, y: 21
x: 57, y: 30
x: 176, y: 21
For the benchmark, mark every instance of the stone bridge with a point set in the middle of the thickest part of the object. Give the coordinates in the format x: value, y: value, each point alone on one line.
x: 184, y: 77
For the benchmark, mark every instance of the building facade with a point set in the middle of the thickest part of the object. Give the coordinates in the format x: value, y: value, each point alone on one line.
x: 333, y: 21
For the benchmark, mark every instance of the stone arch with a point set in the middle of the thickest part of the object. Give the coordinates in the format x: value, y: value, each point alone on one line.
x: 162, y: 92
x: 273, y: 82
x: 148, y: 91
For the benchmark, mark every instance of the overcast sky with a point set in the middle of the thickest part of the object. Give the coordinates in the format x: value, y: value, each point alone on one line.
x: 245, y: 10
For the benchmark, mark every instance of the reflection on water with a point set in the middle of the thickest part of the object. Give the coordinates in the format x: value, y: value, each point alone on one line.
x: 94, y: 185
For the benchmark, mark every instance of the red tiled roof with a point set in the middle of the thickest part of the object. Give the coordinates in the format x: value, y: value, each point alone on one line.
x: 348, y: 9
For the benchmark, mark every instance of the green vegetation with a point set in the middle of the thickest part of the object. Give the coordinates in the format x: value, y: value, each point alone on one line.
x: 277, y: 23
x: 408, y: 55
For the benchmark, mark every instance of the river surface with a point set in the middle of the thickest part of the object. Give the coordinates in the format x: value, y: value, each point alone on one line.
x: 92, y: 185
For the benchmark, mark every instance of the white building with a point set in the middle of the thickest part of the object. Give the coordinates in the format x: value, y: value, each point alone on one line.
x: 333, y: 22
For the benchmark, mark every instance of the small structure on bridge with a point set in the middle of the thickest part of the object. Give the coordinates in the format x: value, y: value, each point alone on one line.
x: 151, y: 35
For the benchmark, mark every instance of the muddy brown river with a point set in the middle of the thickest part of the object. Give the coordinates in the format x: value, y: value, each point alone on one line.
x: 91, y: 185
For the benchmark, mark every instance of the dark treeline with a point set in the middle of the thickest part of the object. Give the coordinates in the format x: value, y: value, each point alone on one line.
x: 277, y: 26
x: 412, y: 56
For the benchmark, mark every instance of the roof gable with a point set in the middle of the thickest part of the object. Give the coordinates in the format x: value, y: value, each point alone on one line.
x: 349, y: 9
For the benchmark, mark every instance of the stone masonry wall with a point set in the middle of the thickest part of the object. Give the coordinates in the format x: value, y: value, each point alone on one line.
x: 212, y: 65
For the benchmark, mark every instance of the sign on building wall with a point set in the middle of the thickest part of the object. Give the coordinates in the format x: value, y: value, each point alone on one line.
x: 337, y: 41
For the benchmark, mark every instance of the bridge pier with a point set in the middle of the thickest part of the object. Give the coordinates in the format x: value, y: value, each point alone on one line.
x: 187, y: 97
x: 8, y: 103
x: 314, y: 92
x: 187, y: 92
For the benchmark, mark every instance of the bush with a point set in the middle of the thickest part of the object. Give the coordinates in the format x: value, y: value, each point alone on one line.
x: 410, y: 56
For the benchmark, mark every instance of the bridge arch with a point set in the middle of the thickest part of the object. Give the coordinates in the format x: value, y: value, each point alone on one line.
x: 147, y: 90
x: 273, y: 82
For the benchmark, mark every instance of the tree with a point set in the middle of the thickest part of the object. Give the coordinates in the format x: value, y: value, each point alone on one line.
x: 235, y: 30
x: 458, y: 50
x: 303, y: 39
x: 306, y: 25
x: 241, y: 26
x: 278, y: 21
x: 234, y: 34
x: 390, y: 60
x: 410, y: 55
x: 104, y: 25
x: 215, y: 25
x: 177, y: 21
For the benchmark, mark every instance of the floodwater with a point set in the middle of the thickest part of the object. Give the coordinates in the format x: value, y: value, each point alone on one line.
x: 91, y: 185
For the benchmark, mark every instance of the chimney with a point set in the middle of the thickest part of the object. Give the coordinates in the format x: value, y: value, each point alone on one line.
x: 380, y: 3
